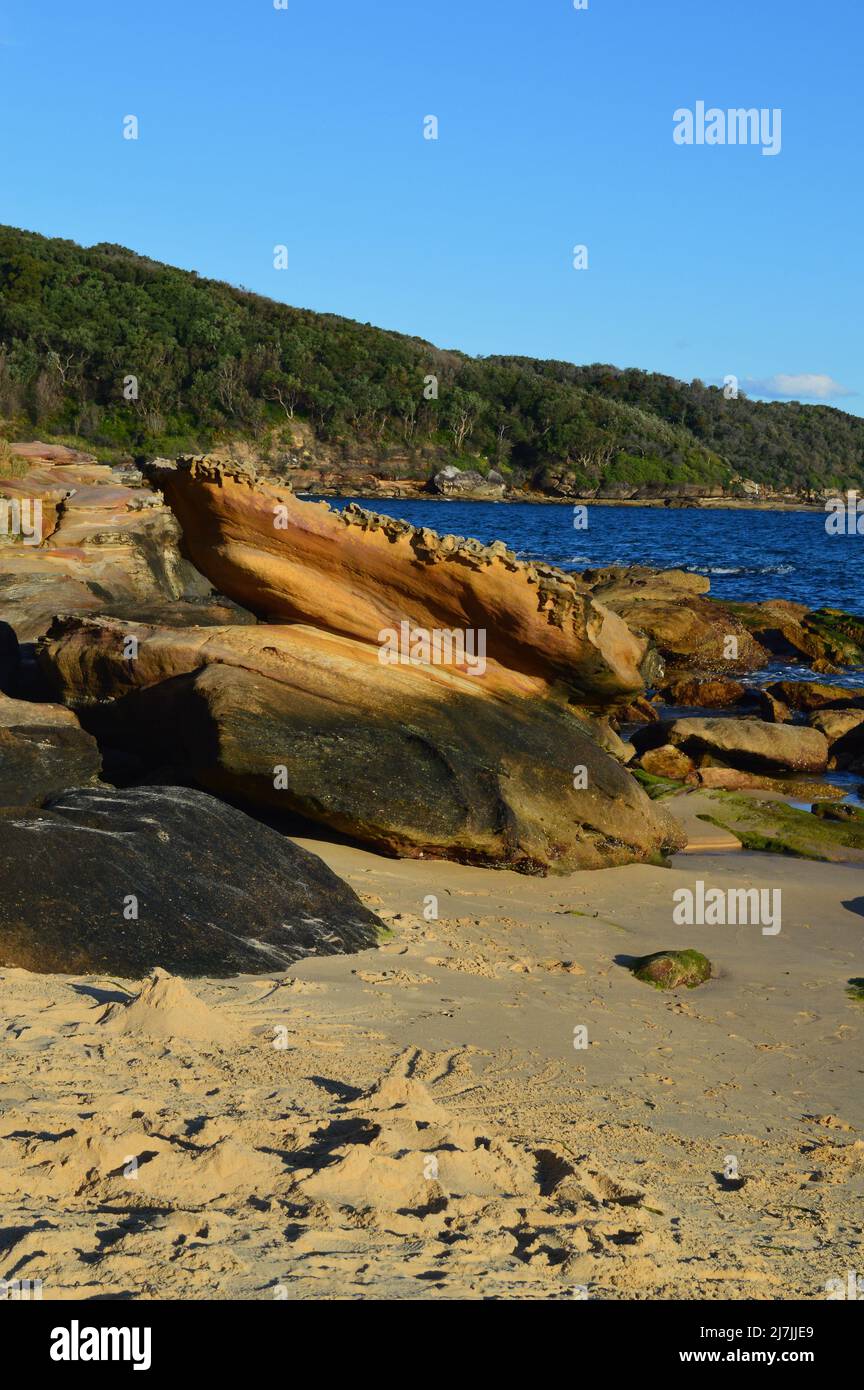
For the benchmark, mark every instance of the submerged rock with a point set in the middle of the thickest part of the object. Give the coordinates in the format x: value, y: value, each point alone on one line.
x: 100, y: 880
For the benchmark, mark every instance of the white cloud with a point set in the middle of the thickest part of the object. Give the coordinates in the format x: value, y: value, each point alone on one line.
x: 785, y: 386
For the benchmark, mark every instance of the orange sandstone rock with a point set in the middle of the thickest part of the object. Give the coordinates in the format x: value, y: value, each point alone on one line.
x: 359, y: 574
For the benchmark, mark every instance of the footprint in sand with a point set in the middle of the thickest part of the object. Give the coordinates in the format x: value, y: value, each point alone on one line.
x: 392, y: 977
x: 491, y: 969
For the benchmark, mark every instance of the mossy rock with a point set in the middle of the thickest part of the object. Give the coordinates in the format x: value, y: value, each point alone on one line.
x: 673, y: 969
x: 856, y: 990
x: 842, y: 633
x: 777, y: 828
x: 829, y: 810
x: 656, y: 787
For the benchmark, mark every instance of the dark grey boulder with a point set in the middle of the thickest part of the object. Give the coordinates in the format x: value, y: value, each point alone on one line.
x: 216, y: 893
x: 43, y: 749
x: 9, y: 656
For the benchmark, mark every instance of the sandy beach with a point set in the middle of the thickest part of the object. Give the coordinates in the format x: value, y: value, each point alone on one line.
x: 416, y: 1122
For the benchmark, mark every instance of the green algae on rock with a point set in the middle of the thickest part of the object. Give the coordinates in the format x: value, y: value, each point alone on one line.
x: 673, y: 969
x: 775, y: 827
x: 844, y: 812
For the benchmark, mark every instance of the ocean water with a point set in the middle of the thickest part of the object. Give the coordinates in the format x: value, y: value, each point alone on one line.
x: 748, y: 556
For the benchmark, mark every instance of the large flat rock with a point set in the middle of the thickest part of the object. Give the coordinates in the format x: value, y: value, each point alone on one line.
x: 751, y: 744
x: 412, y: 760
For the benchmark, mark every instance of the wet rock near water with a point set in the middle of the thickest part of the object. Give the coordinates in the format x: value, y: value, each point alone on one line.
x: 748, y: 744
x: 704, y: 692
x: 807, y: 696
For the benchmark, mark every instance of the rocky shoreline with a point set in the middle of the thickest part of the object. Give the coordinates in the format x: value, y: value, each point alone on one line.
x: 374, y: 489
x: 196, y: 626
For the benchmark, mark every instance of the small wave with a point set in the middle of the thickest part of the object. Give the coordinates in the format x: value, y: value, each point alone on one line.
x: 740, y: 569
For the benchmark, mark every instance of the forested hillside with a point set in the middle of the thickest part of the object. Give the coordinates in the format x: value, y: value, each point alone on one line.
x: 210, y: 361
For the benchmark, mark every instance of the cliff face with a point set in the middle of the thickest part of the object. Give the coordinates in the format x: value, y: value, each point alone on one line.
x: 356, y: 574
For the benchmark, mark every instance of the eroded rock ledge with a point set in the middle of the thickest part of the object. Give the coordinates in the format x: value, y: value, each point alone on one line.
x: 356, y: 573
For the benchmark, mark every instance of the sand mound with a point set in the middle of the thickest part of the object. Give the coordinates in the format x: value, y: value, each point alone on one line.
x: 400, y: 1151
x: 166, y: 1008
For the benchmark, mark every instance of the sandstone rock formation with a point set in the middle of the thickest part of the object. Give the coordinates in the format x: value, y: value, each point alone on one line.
x: 671, y: 609
x: 514, y: 763
x: 749, y: 744
x: 411, y: 760
x: 213, y: 892
x: 356, y: 573
x: 106, y: 547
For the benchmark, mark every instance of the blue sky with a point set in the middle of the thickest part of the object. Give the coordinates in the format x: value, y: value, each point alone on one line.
x: 304, y: 127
